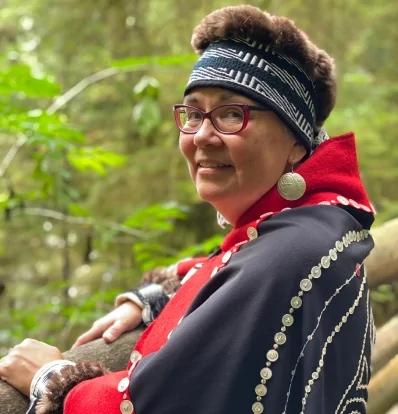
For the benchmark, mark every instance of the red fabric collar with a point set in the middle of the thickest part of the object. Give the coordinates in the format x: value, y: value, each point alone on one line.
x: 332, y: 177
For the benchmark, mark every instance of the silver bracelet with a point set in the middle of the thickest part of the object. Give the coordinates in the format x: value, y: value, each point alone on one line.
x: 43, y: 376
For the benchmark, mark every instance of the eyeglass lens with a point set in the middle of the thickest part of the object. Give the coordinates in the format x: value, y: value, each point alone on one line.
x: 228, y: 118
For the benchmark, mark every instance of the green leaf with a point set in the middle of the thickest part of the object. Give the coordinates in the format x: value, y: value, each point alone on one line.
x: 19, y: 79
x: 77, y: 210
x: 147, y: 116
x: 203, y: 248
x: 147, y: 87
x: 138, y: 62
x: 95, y: 159
x: 152, y: 217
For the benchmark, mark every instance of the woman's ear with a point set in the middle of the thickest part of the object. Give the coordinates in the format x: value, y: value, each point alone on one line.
x: 297, y: 153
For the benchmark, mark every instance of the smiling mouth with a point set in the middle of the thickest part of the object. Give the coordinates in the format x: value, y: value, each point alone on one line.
x: 213, y: 165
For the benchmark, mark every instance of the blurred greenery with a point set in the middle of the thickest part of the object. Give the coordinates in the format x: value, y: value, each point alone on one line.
x: 93, y: 190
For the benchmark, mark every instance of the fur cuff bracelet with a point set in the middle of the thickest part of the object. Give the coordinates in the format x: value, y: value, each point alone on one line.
x: 60, y: 385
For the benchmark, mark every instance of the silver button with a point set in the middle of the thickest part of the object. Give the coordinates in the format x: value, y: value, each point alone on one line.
x: 257, y: 408
x: 226, y: 257
x: 287, y: 320
x: 342, y: 200
x: 266, y: 373
x: 354, y: 203
x: 272, y: 355
x: 325, y: 262
x: 252, y: 233
x: 126, y: 407
x: 261, y: 390
x: 306, y: 285
x: 135, y: 356
x: 316, y: 272
x: 333, y: 254
x: 215, y: 270
x: 296, y: 302
x: 339, y: 246
x: 280, y: 338
x: 123, y: 384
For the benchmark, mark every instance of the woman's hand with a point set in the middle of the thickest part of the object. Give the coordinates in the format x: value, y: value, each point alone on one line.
x: 23, y: 361
x: 124, y: 318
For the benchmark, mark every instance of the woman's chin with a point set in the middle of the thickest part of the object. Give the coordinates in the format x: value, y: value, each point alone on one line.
x: 211, y: 193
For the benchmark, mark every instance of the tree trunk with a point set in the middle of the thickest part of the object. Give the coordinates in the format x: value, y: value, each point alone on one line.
x: 382, y: 263
x: 383, y: 389
x: 386, y: 344
x: 115, y: 356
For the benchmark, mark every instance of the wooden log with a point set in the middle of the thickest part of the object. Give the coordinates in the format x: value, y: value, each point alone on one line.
x: 382, y: 263
x: 115, y: 357
x: 386, y: 344
x: 383, y: 389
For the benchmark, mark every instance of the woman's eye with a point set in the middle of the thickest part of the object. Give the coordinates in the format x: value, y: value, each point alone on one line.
x: 233, y: 114
x: 194, y: 116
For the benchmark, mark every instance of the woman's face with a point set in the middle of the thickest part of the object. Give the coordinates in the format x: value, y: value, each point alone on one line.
x: 233, y: 171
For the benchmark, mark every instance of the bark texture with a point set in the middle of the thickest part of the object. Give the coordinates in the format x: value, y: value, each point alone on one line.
x: 382, y: 263
x: 115, y: 357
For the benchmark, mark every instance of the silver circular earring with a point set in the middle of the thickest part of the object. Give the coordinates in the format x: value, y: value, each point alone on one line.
x: 291, y: 186
x: 221, y: 220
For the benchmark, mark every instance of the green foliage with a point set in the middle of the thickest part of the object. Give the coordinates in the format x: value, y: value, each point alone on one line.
x: 204, y: 248
x: 156, y: 217
x: 19, y: 80
x: 95, y: 159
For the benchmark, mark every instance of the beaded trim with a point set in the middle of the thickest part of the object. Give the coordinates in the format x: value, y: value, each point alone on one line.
x: 364, y: 371
x: 357, y: 373
x: 353, y: 400
x: 296, y: 303
x: 315, y: 374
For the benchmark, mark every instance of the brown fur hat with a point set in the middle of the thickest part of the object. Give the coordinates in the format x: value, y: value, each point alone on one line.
x: 283, y: 37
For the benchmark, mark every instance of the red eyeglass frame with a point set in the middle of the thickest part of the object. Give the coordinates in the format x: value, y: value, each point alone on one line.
x: 246, y: 116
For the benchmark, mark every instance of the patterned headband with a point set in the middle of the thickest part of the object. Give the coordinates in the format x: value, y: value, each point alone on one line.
x: 254, y: 70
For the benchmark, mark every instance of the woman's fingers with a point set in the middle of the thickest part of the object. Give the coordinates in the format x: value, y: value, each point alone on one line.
x: 94, y: 332
x: 119, y: 327
x: 124, y: 318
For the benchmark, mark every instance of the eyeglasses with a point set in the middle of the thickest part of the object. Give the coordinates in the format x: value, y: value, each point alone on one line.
x: 227, y: 119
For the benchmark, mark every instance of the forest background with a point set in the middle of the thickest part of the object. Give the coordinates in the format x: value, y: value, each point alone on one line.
x: 93, y: 190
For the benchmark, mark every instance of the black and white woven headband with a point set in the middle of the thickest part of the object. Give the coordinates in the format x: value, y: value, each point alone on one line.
x: 254, y: 70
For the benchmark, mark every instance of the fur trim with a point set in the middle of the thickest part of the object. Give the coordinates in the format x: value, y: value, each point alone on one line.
x: 283, y: 36
x: 60, y: 385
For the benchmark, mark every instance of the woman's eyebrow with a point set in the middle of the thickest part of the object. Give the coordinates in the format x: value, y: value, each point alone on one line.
x: 191, y: 99
x: 225, y: 96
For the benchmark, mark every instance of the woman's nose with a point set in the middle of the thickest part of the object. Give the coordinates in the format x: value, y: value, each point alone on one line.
x: 207, y: 135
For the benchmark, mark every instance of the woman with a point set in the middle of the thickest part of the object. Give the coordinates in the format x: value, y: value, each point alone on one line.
x: 278, y: 320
